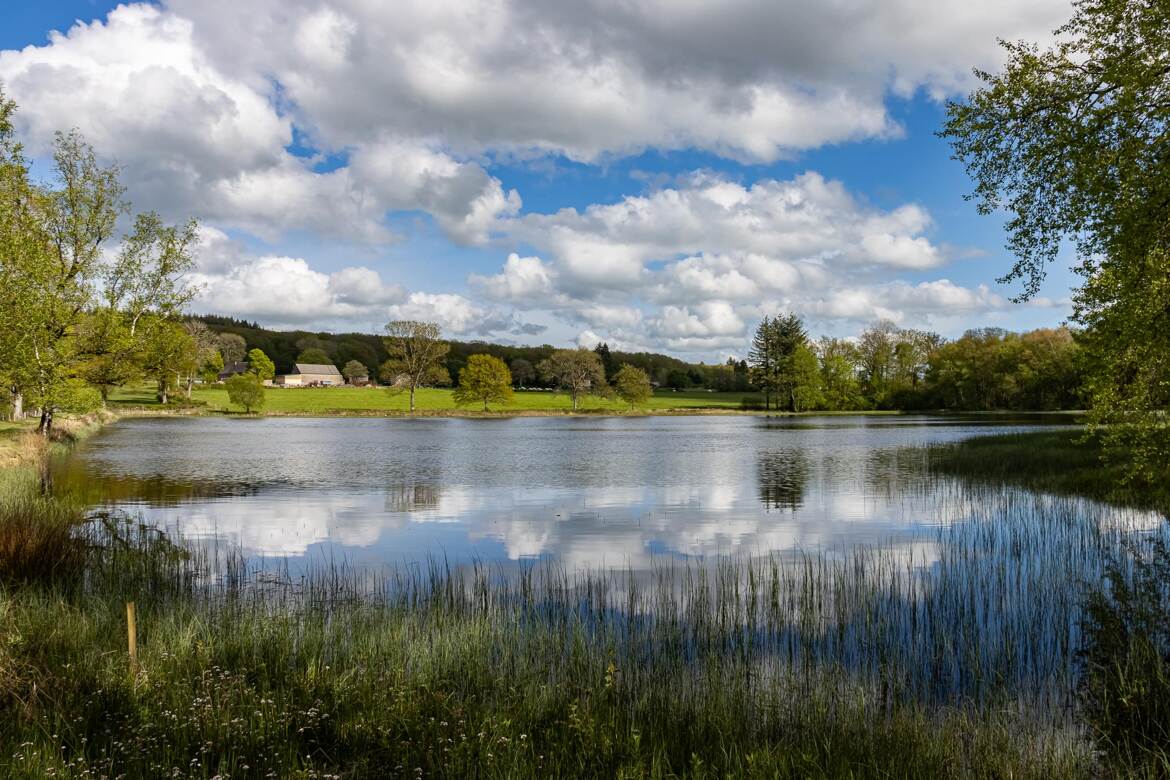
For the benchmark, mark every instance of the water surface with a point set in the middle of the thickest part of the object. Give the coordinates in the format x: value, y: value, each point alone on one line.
x: 585, y: 491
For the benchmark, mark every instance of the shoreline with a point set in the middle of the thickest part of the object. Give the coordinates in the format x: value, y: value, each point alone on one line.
x: 146, y: 411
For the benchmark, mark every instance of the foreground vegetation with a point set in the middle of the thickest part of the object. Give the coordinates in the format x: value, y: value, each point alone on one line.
x: 978, y: 651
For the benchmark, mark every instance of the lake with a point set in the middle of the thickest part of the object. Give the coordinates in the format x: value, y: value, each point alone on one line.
x: 585, y: 491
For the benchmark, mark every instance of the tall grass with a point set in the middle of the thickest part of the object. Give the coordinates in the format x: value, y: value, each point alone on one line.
x: 956, y: 656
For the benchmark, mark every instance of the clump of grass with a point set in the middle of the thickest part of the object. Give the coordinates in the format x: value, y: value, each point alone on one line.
x: 1126, y: 685
x: 39, y: 543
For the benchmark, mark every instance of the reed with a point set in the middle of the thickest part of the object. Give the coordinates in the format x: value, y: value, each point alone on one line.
x: 953, y: 656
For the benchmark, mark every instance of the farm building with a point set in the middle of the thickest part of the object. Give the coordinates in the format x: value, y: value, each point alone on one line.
x: 310, y: 375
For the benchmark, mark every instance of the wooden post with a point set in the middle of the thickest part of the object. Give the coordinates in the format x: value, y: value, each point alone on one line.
x: 132, y: 637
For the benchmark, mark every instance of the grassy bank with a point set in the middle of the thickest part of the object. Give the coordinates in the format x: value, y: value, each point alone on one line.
x: 1062, y: 462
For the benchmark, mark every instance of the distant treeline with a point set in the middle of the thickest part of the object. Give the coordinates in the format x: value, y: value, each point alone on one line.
x: 288, y: 347
x: 885, y: 368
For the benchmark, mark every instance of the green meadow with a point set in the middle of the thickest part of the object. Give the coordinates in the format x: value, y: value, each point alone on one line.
x: 361, y: 400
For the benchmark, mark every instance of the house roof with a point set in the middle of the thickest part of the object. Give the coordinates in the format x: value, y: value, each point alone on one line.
x: 316, y: 368
x: 234, y: 368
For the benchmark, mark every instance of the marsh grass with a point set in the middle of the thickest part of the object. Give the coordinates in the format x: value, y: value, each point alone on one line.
x: 1063, y: 461
x: 955, y: 656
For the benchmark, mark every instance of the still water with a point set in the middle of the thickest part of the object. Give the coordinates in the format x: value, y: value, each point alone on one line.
x: 585, y: 491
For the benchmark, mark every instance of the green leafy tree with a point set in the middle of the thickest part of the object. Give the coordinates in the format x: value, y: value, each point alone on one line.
x: 169, y: 355
x: 633, y: 385
x: 355, y: 370
x: 577, y: 372
x: 109, y: 354
x: 260, y: 365
x: 314, y: 355
x: 805, y: 384
x: 211, y: 367
x: 71, y: 219
x: 147, y: 276
x: 416, y: 356
x: 523, y: 372
x: 839, y: 383
x: 485, y: 379
x: 1070, y: 141
x: 246, y: 390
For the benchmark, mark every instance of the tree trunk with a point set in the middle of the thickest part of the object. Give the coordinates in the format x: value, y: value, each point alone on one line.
x: 162, y: 392
x: 17, y: 406
x: 574, y: 402
x: 46, y: 424
x: 412, y: 399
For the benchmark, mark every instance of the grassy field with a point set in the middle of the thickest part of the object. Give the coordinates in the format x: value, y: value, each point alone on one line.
x: 356, y: 400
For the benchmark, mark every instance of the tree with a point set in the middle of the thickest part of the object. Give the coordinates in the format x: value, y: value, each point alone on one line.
x: 875, y: 353
x: 260, y: 365
x: 211, y: 367
x: 246, y: 390
x: 523, y: 372
x: 788, y: 336
x: 805, y: 380
x: 314, y: 355
x: 1071, y: 142
x: 485, y: 379
x: 147, y: 275
x: 575, y: 371
x: 773, y: 345
x: 72, y: 219
x: 233, y: 347
x: 169, y: 354
x: 416, y: 355
x: 109, y: 354
x: 762, y: 360
x: 608, y: 361
x: 633, y: 385
x: 355, y: 370
x: 839, y: 384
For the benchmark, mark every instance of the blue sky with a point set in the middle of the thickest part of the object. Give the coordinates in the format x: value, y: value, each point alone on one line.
x: 652, y: 175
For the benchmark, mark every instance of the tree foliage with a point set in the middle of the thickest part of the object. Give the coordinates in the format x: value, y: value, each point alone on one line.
x: 260, y: 365
x: 70, y: 312
x: 1071, y: 142
x: 577, y: 372
x: 416, y: 353
x: 355, y: 370
x: 485, y: 379
x: 633, y: 385
x: 246, y: 390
